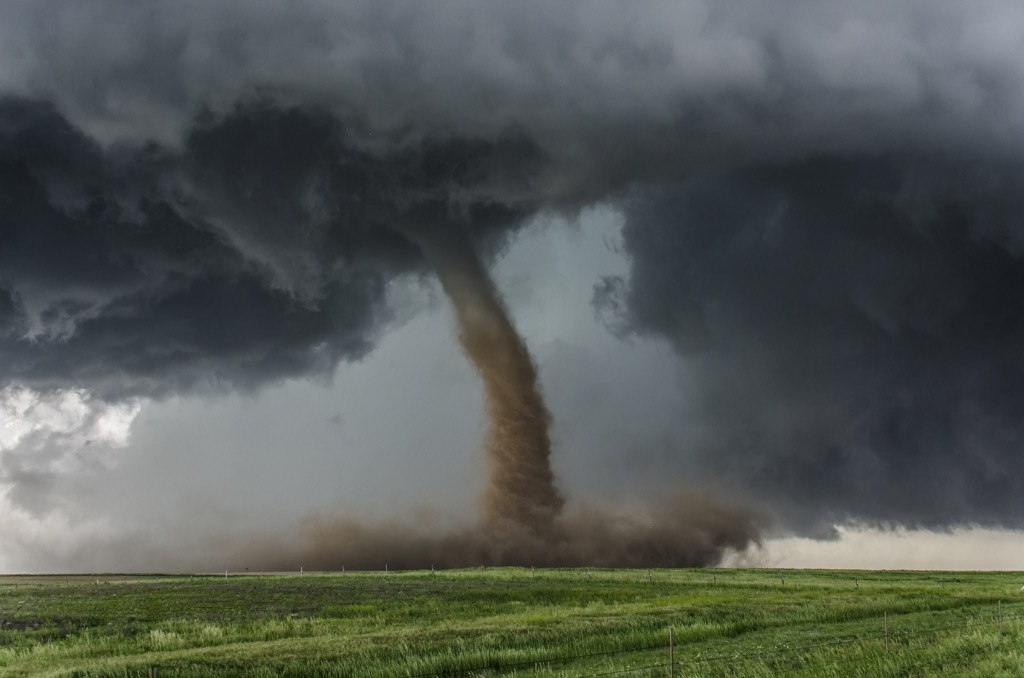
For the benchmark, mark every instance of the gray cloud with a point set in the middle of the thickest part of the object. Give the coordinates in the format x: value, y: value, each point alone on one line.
x: 632, y: 87
x: 261, y: 250
x: 854, y: 328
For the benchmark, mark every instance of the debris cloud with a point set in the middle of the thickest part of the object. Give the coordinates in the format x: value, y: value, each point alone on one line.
x: 682, y: 530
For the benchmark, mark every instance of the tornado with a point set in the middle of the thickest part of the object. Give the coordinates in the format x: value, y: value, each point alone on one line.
x: 521, y: 492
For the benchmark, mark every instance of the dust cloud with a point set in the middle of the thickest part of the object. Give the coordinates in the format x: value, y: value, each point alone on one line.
x: 681, y: 530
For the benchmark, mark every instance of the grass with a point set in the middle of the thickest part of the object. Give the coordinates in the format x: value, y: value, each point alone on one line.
x: 515, y: 622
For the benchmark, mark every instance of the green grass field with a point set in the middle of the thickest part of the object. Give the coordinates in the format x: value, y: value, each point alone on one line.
x: 511, y: 621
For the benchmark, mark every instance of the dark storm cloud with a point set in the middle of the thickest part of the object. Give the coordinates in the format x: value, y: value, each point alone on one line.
x: 260, y: 250
x: 617, y: 91
x: 822, y: 207
x: 855, y: 328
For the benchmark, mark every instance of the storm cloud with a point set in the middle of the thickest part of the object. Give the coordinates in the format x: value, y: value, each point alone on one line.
x: 854, y: 328
x: 262, y: 249
x: 822, y: 210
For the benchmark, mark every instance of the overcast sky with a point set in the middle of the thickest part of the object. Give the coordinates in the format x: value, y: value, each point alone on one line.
x: 771, y: 254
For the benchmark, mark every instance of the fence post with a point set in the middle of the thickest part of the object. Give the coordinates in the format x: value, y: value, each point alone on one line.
x: 671, y: 656
x: 885, y: 620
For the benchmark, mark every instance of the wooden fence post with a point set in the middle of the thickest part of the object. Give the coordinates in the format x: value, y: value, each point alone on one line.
x: 671, y: 656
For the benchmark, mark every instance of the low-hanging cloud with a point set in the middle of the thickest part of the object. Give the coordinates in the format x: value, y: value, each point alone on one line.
x: 261, y: 250
x: 822, y: 209
x: 853, y: 329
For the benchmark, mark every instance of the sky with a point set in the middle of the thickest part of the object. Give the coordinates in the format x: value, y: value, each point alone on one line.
x: 769, y: 260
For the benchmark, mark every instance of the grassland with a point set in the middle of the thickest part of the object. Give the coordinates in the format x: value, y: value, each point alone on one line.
x: 510, y: 621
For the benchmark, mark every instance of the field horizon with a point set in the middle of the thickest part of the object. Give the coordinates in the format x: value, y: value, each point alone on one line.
x: 4, y: 576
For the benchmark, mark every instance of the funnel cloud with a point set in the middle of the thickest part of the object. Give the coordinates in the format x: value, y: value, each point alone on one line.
x: 521, y: 489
